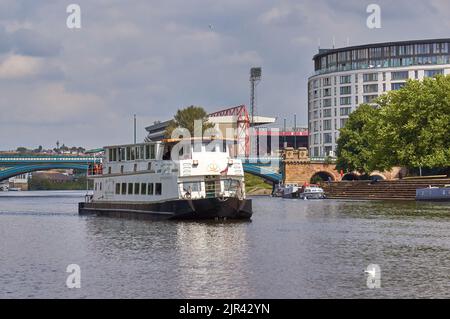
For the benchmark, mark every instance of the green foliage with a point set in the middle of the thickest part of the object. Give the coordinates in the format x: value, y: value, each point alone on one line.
x: 253, y: 182
x: 44, y: 184
x: 185, y: 118
x: 411, y: 128
x: 355, y: 147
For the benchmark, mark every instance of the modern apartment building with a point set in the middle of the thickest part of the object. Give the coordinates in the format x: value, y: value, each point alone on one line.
x: 347, y: 77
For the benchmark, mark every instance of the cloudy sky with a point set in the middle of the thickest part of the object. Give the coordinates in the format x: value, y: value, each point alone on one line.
x: 82, y: 86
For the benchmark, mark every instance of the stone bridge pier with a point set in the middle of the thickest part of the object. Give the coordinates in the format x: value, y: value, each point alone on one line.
x: 298, y: 168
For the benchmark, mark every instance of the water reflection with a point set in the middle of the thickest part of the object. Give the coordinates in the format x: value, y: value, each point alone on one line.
x: 291, y: 249
x: 212, y: 259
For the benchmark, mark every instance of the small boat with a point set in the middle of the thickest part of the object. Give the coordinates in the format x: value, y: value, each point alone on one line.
x: 433, y: 194
x: 311, y: 192
x: 15, y: 189
x: 304, y: 192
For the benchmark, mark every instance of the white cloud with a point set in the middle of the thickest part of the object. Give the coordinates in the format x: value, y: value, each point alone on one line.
x: 18, y: 66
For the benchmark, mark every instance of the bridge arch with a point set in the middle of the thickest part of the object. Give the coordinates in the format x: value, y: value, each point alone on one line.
x: 322, y: 176
x: 350, y: 177
x: 22, y: 169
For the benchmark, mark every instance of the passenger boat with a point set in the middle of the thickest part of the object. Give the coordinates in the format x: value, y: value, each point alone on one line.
x: 172, y: 179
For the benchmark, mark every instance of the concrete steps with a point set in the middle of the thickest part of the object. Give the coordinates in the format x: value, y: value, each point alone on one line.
x: 397, y: 190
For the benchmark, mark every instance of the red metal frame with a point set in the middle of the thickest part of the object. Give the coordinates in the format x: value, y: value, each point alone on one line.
x: 243, y: 126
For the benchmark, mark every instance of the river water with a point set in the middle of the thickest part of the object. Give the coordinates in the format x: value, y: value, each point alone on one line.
x: 290, y: 249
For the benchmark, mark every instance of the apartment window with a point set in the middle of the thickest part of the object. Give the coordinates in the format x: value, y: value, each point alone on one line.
x: 370, y: 77
x: 158, y: 188
x: 327, y: 92
x: 431, y: 73
x: 326, y: 102
x: 403, y: 75
x: 397, y: 86
x: 371, y: 88
x: 327, y: 125
x: 136, y: 188
x: 124, y: 188
x: 343, y: 122
x: 143, y: 188
x: 346, y: 100
x: 327, y: 138
x: 130, y: 188
x: 326, y: 81
x: 327, y: 113
x: 345, y: 111
x: 346, y: 90
x: 150, y: 189
x: 369, y: 98
x: 118, y: 189
x: 345, y: 79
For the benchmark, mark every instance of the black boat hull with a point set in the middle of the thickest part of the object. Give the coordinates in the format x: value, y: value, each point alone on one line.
x: 198, y: 209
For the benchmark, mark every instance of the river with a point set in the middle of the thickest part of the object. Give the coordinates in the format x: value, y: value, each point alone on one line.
x: 290, y: 249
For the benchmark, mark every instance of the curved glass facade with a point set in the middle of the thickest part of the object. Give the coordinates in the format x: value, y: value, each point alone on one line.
x: 348, y: 77
x: 383, y: 55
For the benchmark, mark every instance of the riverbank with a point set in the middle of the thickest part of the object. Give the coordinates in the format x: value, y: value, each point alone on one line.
x: 366, y: 190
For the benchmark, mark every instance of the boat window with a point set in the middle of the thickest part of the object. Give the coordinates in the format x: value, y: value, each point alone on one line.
x: 167, y: 152
x: 121, y: 169
x: 231, y: 185
x: 117, y: 188
x: 149, y: 166
x: 128, y: 153
x: 136, y: 189
x: 147, y: 151
x: 95, y: 186
x: 158, y: 188
x: 152, y: 151
x: 150, y: 189
x: 143, y: 188
x: 110, y: 154
x: 133, y: 154
x: 135, y: 167
x: 130, y: 188
x: 109, y: 170
x: 141, y: 152
x: 192, y: 186
x: 100, y: 186
x: 122, y: 152
x: 124, y: 188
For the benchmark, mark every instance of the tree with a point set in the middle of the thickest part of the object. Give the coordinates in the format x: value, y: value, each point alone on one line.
x: 415, y: 126
x: 22, y: 150
x: 355, y: 146
x: 185, y: 119
x: 410, y: 128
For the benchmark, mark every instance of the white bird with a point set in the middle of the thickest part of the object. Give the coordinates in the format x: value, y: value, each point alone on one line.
x: 372, y: 272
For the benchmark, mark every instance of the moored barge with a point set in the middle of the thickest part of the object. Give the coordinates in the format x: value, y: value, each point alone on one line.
x: 173, y: 179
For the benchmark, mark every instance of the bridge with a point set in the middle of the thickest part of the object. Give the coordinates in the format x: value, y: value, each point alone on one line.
x: 16, y: 164
x: 13, y: 165
x: 267, y: 168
